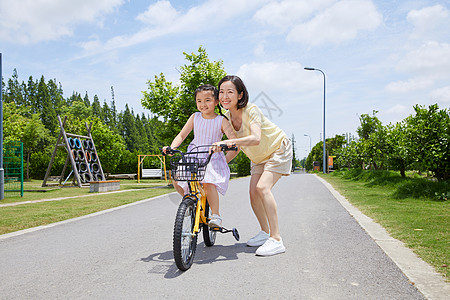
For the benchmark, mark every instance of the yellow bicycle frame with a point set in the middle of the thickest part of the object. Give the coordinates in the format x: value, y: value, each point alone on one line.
x: 196, y: 190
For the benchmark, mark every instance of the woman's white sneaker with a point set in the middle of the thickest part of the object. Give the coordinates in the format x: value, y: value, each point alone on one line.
x: 258, y: 239
x: 271, y: 247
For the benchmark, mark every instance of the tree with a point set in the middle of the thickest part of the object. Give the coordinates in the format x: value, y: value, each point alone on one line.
x: 79, y: 109
x: 397, y: 152
x: 29, y: 130
x: 428, y: 138
x: 371, y: 139
x: 35, y: 137
x: 110, y: 145
x: 14, y: 92
x: 130, y: 133
x: 350, y: 156
x: 175, y: 104
x: 56, y: 96
x: 333, y: 147
x: 97, y: 108
x: 31, y: 95
x: 45, y: 106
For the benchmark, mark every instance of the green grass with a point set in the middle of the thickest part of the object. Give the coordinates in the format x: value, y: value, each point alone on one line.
x: 411, y: 209
x: 23, y: 216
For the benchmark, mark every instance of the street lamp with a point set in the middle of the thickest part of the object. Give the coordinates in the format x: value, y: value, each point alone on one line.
x: 324, y: 155
x: 309, y: 141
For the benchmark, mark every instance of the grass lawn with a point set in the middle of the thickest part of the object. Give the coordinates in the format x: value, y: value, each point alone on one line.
x: 14, y: 218
x: 422, y: 222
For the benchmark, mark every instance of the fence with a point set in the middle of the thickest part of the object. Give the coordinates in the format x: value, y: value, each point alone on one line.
x: 13, y: 168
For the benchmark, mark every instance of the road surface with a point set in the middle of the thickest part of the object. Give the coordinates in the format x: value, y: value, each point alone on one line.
x: 126, y: 253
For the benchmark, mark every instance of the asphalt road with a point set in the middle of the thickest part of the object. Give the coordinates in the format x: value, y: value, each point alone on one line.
x: 127, y: 254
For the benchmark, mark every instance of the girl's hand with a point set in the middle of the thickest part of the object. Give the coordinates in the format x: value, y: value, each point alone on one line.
x: 215, y: 147
x: 164, y: 150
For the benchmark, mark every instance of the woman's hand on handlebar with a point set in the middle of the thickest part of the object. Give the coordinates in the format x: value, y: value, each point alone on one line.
x: 223, y: 146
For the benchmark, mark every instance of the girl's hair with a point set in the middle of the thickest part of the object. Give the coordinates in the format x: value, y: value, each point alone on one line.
x: 214, y: 91
x: 207, y: 87
x: 240, y: 87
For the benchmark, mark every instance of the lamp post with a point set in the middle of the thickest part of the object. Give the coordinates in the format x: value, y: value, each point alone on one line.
x: 324, y: 154
x: 309, y: 141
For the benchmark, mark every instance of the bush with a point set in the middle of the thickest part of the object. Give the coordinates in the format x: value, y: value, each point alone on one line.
x: 242, y: 164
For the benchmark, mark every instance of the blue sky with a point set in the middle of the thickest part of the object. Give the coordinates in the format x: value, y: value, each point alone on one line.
x: 377, y: 55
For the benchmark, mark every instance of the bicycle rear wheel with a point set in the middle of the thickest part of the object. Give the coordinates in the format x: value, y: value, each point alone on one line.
x: 184, y: 240
x: 209, y: 235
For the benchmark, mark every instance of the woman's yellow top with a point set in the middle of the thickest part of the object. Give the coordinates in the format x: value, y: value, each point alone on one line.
x: 271, y: 134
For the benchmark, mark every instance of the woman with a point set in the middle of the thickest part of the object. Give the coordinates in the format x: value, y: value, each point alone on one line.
x: 270, y: 151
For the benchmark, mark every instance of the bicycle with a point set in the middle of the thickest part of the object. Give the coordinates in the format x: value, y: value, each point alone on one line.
x: 193, y: 214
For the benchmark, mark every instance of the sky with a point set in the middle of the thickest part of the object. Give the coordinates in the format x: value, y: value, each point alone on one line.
x: 384, y: 55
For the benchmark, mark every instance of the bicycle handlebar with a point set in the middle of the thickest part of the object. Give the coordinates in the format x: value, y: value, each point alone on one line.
x: 223, y: 147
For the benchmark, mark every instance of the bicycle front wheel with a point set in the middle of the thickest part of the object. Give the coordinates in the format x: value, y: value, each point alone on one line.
x: 184, y: 238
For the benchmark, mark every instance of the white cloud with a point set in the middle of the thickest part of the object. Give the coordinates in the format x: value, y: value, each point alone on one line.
x: 197, y: 18
x: 32, y: 21
x: 276, y: 76
x: 429, y: 21
x: 340, y: 22
x: 410, y: 85
x: 161, y: 13
x: 431, y: 58
x: 285, y: 14
x: 398, y: 109
x: 441, y: 95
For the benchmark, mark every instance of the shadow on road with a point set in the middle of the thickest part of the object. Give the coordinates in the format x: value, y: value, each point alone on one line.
x: 163, y: 262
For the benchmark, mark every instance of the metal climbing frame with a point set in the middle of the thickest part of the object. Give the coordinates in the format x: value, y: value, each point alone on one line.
x: 13, y: 166
x: 82, y: 155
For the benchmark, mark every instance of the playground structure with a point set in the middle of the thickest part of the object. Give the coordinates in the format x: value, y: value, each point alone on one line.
x: 151, y: 172
x: 13, y: 166
x: 82, y: 155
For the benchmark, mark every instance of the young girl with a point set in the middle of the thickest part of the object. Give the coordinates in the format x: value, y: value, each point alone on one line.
x: 208, y: 128
x: 270, y: 151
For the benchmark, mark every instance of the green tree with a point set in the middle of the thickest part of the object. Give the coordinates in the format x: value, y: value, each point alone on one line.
x: 29, y: 130
x: 35, y: 137
x: 45, y: 105
x: 175, y: 104
x: 370, y: 134
x: 31, y: 95
x: 79, y: 109
x: 130, y: 133
x: 397, y: 152
x: 428, y: 139
x: 14, y: 91
x: 350, y: 156
x: 110, y: 145
x: 56, y: 96
x: 97, y: 108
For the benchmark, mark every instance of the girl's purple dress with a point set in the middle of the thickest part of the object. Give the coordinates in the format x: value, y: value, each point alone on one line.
x: 207, y: 132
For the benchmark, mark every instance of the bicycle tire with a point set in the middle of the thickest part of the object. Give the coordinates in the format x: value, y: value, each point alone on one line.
x: 209, y: 235
x: 184, y: 243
